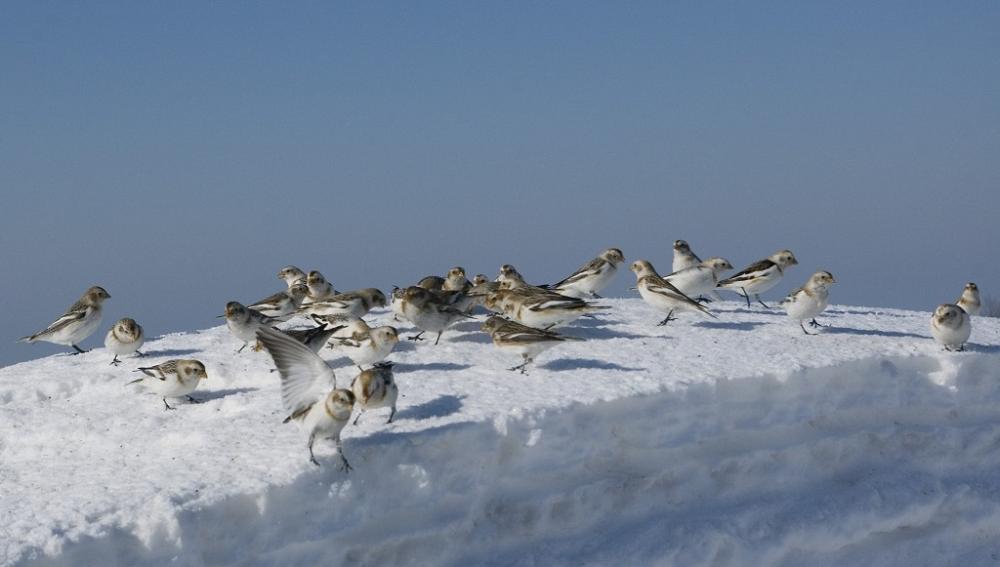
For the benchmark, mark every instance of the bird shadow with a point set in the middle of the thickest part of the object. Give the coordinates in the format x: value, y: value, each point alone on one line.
x: 860, y: 312
x: 404, y: 346
x: 871, y: 333
x: 733, y: 326
x: 441, y: 406
x: 405, y: 367
x: 600, y: 333
x: 982, y: 348
x: 171, y: 352
x: 481, y: 338
x: 772, y: 312
x: 466, y: 327
x: 591, y: 322
x: 562, y: 364
x: 209, y: 395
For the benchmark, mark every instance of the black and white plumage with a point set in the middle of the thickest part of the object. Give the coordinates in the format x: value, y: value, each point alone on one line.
x: 760, y: 276
x: 309, y: 391
x: 357, y: 303
x: 77, y: 323
x: 375, y: 388
x: 428, y: 312
x: 970, y: 300
x: 172, y: 379
x: 315, y: 338
x: 456, y: 280
x: 125, y: 337
x: 700, y: 279
x: 292, y: 275
x: 243, y: 322
x: 526, y: 341
x: 536, y: 307
x: 951, y: 326
x: 808, y: 301
x: 661, y: 294
x: 591, y: 278
x: 282, y: 305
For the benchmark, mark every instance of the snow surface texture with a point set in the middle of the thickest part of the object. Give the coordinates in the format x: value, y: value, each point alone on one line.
x: 729, y: 442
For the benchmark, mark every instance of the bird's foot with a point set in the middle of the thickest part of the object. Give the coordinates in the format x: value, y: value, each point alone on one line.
x: 815, y: 324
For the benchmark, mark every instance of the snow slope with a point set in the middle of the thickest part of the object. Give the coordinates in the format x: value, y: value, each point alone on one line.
x: 731, y: 441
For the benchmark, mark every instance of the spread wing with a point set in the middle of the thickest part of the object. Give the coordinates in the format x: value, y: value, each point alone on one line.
x: 302, y: 372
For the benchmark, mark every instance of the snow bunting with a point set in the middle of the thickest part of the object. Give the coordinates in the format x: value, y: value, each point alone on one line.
x: 456, y: 280
x: 79, y: 321
x: 760, y: 276
x: 480, y: 279
x: 367, y: 346
x: 282, y: 305
x: 538, y: 308
x: 432, y: 283
x: 319, y: 288
x: 684, y: 258
x: 375, y: 388
x: 527, y: 341
x: 125, y: 337
x: 396, y: 303
x: 357, y: 303
x: 428, y: 312
x: 305, y: 379
x: 699, y: 279
x: 809, y: 300
x: 969, y: 301
x: 662, y: 294
x: 313, y: 337
x: 951, y: 326
x: 172, y: 379
x: 509, y: 273
x: 292, y: 275
x: 591, y: 278
x: 243, y: 322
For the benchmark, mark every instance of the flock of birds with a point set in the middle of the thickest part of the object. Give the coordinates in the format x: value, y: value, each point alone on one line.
x: 522, y: 322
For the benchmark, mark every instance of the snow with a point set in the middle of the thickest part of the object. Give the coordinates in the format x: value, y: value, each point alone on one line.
x: 730, y: 441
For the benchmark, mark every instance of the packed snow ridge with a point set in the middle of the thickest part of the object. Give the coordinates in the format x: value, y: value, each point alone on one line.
x: 727, y: 442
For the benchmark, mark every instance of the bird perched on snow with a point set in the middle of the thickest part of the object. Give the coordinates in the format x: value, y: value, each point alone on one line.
x: 292, y: 275
x: 760, y: 276
x: 428, y: 312
x: 282, y: 305
x: 375, y: 388
x: 662, y: 294
x: 684, y: 258
x: 172, y: 379
x: 481, y: 288
x: 538, y: 308
x: 313, y: 337
x: 969, y: 300
x: 456, y: 280
x: 396, y: 303
x: 805, y: 303
x: 527, y: 341
x: 591, y: 278
x: 309, y: 391
x: 699, y: 279
x: 78, y: 323
x: 319, y: 288
x: 125, y: 337
x: 357, y: 303
x: 366, y: 345
x: 951, y: 326
x: 243, y: 322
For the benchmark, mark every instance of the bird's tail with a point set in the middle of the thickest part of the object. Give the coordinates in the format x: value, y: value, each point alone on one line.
x: 134, y: 381
x: 28, y: 339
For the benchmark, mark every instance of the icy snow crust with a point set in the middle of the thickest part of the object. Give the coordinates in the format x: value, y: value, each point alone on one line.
x: 730, y: 442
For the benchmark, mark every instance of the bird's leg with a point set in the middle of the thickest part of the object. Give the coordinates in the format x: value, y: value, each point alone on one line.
x: 703, y: 299
x: 670, y: 317
x: 360, y: 369
x: 520, y: 367
x: 312, y: 458
x: 358, y: 417
x: 115, y: 361
x: 166, y: 405
x: 746, y: 296
x: 438, y: 339
x: 140, y: 354
x: 193, y: 400
x: 804, y: 329
x: 815, y: 323
x: 392, y: 413
x: 416, y: 337
x: 344, y: 465
x: 241, y: 348
x: 961, y: 348
x: 757, y: 297
x: 78, y: 350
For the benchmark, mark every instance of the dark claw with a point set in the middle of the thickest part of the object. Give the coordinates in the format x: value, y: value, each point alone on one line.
x: 166, y: 405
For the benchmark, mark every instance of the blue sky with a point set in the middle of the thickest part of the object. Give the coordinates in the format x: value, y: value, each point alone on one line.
x: 180, y: 153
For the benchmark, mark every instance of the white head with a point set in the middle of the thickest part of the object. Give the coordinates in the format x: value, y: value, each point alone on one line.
x: 821, y: 280
x: 191, y: 369
x: 948, y: 315
x: 385, y: 335
x: 291, y: 274
x: 643, y: 268
x: 718, y: 265
x: 298, y: 292
x: 783, y: 258
x: 95, y: 296
x: 236, y: 311
x: 340, y: 403
x: 613, y: 256
x: 970, y: 290
x: 127, y: 330
x: 681, y: 247
x: 508, y: 272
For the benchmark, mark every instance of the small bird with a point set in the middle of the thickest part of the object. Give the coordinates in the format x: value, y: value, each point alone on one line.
x: 309, y: 391
x: 591, y: 278
x: 243, y: 322
x: 357, y: 303
x: 282, y: 305
x: 319, y: 288
x: 125, y: 337
x: 527, y: 341
x: 456, y: 280
x: 969, y: 301
x: 292, y: 275
x: 683, y: 257
x: 480, y: 279
x: 367, y: 345
x: 509, y: 273
x: 78, y: 323
x: 172, y: 379
x: 809, y: 300
x: 951, y: 326
x: 662, y: 294
x: 432, y: 283
x: 375, y: 388
x: 481, y: 288
x: 396, y: 303
x: 699, y: 279
x: 760, y: 276
x: 314, y: 337
x: 538, y: 308
x: 428, y: 312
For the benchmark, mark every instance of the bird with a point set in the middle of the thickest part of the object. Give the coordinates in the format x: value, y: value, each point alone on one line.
x: 538, y: 308
x: 432, y: 283
x: 808, y: 301
x: 357, y: 303
x: 427, y: 312
x: 367, y: 345
x: 314, y: 337
x: 375, y: 388
x: 124, y: 337
x: 591, y: 278
x: 309, y: 391
x: 480, y: 279
x: 396, y: 303
x: 77, y: 323
x: 509, y: 273
x: 699, y: 279
x: 173, y: 379
x: 243, y: 322
x: 951, y: 326
x: 760, y: 276
x: 527, y: 341
x: 282, y: 305
x: 662, y: 294
x: 969, y: 300
x: 319, y: 288
x: 683, y: 256
x: 292, y: 275
x: 456, y: 280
